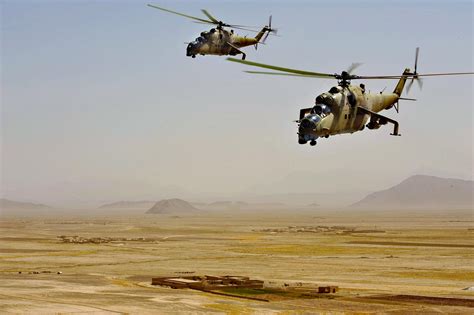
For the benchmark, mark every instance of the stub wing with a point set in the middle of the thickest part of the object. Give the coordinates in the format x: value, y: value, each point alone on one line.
x: 378, y: 119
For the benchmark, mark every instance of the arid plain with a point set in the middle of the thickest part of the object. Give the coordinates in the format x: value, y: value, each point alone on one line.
x: 383, y: 261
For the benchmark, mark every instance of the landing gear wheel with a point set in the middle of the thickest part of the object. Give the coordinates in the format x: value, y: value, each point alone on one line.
x: 243, y: 56
x: 302, y: 141
x: 313, y: 143
x: 193, y: 56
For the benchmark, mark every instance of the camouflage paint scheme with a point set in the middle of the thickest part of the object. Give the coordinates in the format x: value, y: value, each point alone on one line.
x: 349, y: 110
x: 345, y: 108
x: 219, y: 41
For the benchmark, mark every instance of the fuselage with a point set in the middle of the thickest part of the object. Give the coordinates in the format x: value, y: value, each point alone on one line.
x: 218, y: 42
x: 335, y: 112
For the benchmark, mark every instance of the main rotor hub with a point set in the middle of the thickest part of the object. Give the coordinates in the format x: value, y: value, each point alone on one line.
x: 344, y: 79
x: 221, y: 24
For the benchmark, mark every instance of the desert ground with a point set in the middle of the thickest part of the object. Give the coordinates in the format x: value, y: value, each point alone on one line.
x: 383, y: 261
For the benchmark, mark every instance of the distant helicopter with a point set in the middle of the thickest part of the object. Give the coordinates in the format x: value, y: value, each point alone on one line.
x: 219, y: 41
x: 346, y: 108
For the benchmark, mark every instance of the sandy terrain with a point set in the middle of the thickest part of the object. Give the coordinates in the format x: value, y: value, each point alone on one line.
x: 383, y: 262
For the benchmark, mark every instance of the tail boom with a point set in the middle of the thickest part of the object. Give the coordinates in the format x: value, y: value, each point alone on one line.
x: 401, y: 84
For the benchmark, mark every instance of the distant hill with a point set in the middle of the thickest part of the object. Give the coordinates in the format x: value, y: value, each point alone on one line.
x: 18, y: 205
x: 172, y: 206
x: 422, y: 191
x: 143, y: 204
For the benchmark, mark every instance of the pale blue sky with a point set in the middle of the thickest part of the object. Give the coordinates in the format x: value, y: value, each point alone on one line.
x: 100, y: 103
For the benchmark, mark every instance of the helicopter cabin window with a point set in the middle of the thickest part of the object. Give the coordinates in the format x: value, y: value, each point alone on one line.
x: 334, y: 90
x: 351, y: 98
x: 321, y: 109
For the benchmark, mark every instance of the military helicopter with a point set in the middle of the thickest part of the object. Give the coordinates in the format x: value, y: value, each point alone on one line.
x: 218, y: 40
x: 346, y: 108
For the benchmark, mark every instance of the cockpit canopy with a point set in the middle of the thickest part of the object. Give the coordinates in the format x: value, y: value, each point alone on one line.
x: 321, y: 110
x: 200, y: 39
x: 324, y: 105
x: 309, y: 122
x: 197, y: 42
x: 335, y: 89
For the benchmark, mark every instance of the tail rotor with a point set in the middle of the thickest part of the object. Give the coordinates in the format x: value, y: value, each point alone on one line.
x: 415, y: 73
x: 269, y: 29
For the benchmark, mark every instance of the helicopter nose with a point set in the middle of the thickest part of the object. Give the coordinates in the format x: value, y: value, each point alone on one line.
x: 308, y: 124
x: 189, y: 50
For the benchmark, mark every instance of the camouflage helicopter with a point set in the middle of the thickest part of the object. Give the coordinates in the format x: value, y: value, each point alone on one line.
x: 218, y: 40
x: 347, y: 108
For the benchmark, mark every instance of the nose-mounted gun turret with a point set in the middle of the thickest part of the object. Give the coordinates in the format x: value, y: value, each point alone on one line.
x: 311, y: 117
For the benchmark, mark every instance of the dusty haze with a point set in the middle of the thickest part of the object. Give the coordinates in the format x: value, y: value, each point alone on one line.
x: 100, y: 104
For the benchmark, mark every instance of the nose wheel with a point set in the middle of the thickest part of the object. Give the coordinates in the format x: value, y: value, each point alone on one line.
x: 303, y: 141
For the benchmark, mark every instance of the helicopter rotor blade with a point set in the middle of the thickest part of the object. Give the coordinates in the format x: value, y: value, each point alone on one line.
x: 337, y: 76
x: 181, y: 14
x: 243, y: 28
x: 420, y: 83
x: 443, y: 74
x: 217, y: 22
x: 410, y: 85
x: 353, y: 66
x: 206, y: 23
x: 354, y: 77
x: 288, y: 70
x: 269, y: 29
x: 415, y: 73
x: 209, y: 16
x: 326, y: 75
x: 379, y: 77
x: 281, y: 74
x: 265, y: 38
x: 273, y: 32
x: 412, y: 75
x: 232, y: 26
x: 416, y: 58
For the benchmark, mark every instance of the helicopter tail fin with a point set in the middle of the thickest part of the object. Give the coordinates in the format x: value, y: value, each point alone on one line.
x: 267, y: 29
x: 260, y: 34
x: 401, y: 84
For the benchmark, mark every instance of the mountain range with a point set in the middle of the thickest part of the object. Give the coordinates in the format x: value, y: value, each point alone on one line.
x: 419, y: 191
x: 422, y: 191
x: 172, y: 206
